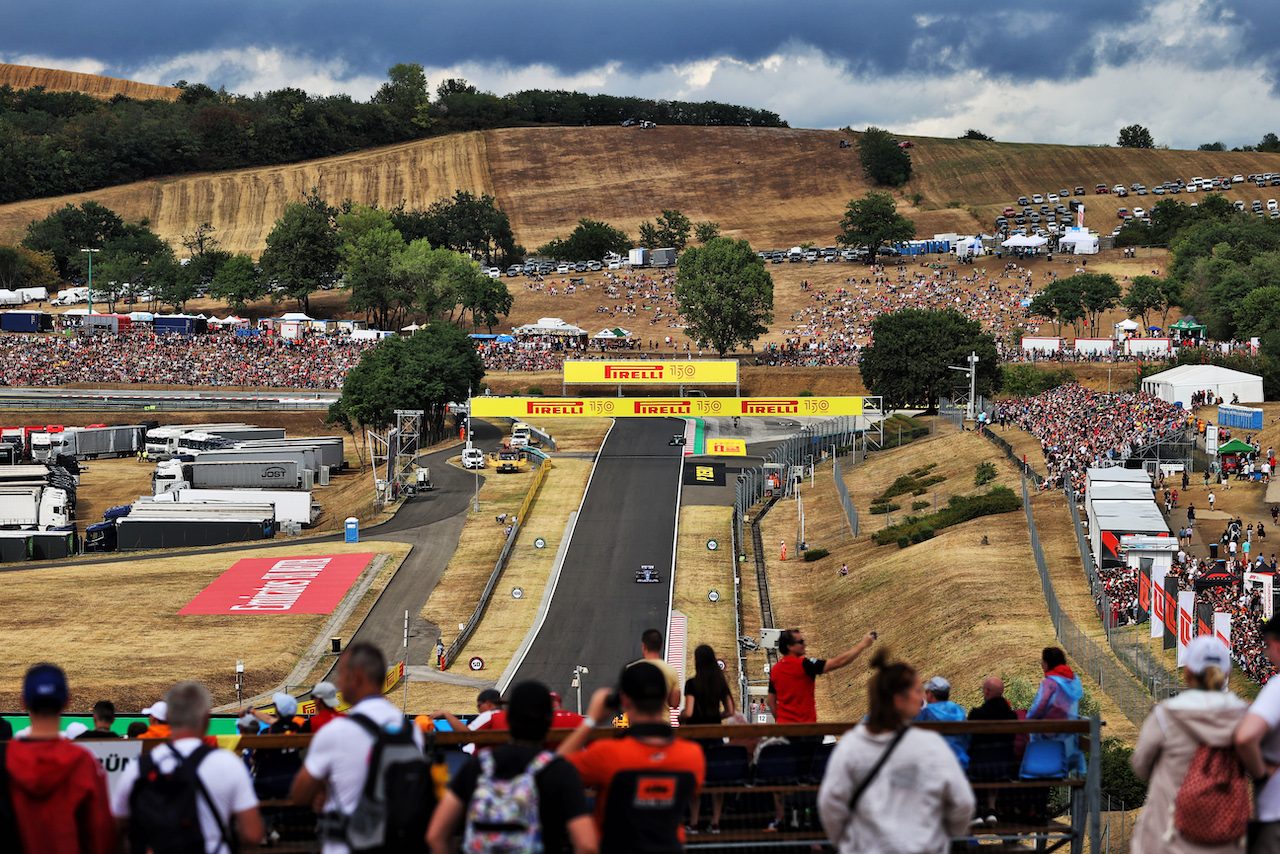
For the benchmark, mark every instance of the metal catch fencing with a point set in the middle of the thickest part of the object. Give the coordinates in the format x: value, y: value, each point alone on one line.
x: 1127, y: 692
x: 850, y: 512
x: 1008, y: 451
x: 833, y: 437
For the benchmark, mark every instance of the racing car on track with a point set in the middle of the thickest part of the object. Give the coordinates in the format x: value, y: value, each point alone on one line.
x: 677, y: 439
x: 647, y: 575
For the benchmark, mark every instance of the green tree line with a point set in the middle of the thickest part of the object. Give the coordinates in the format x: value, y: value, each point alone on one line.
x: 55, y: 143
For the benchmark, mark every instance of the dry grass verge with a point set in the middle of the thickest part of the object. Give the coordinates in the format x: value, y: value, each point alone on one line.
x: 71, y: 616
x: 954, y: 606
x: 699, y: 570
x: 507, y: 619
x: 481, y: 542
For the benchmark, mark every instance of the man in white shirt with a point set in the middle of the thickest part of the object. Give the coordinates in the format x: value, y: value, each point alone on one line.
x: 225, y: 778
x: 1257, y: 741
x: 337, y: 762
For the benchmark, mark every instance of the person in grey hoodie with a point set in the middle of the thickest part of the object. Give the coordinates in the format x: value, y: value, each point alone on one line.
x: 918, y: 799
x: 1205, y: 714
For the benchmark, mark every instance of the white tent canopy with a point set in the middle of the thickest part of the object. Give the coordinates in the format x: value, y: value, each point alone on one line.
x: 1128, y: 325
x: 295, y: 316
x: 1023, y: 241
x: 616, y: 334
x: 549, y: 326
x: 1079, y: 241
x: 1178, y: 384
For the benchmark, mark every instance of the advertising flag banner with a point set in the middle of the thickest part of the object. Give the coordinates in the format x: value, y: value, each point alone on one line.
x: 281, y: 585
x: 522, y: 408
x: 635, y: 372
x: 1186, y: 623
x: 1158, y: 574
x: 1144, y: 595
x: 1170, y: 612
x: 1222, y: 627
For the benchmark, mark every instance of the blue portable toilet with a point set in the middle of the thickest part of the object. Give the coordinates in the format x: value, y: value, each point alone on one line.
x: 353, y: 529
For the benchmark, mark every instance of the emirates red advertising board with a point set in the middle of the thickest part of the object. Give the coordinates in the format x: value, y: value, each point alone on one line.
x: 281, y: 585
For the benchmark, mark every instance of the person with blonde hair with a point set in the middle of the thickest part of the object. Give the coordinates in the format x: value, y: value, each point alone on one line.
x: 890, y: 787
x: 1206, y: 713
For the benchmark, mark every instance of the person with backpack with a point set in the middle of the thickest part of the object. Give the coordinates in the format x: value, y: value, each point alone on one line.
x: 1257, y: 740
x: 53, y: 792
x: 1185, y: 743
x: 518, y: 796
x: 185, y: 796
x: 366, y: 774
x: 888, y: 786
x: 644, y: 781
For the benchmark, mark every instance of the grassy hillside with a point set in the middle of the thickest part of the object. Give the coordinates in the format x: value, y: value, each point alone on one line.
x: 25, y: 76
x: 774, y: 187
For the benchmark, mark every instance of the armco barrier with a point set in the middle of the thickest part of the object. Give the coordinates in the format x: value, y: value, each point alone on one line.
x: 455, y: 648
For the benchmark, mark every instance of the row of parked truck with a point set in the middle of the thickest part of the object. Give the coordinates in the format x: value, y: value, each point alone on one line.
x: 214, y: 483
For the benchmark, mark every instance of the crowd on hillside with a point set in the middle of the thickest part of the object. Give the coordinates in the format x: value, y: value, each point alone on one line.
x: 836, y: 325
x: 1080, y: 428
x: 221, y: 359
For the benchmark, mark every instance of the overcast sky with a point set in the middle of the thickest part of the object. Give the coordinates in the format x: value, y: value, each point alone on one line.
x: 1192, y: 71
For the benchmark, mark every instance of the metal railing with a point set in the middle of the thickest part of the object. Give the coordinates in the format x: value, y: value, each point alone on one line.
x: 751, y: 794
x: 1131, y: 696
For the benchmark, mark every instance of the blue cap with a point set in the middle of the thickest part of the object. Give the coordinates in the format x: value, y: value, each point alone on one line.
x: 44, y: 684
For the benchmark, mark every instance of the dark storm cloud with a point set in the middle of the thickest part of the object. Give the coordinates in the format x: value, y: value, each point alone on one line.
x: 1020, y: 42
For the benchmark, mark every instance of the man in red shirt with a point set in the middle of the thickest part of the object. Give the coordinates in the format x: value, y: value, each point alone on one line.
x: 791, y: 680
x: 326, y: 696
x: 644, y: 781
x: 58, y: 789
x: 791, y: 684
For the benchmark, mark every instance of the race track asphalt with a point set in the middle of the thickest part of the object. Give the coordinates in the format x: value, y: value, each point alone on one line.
x: 628, y: 520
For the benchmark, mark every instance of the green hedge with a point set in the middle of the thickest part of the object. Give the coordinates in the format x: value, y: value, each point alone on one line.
x: 815, y: 554
x: 961, y: 508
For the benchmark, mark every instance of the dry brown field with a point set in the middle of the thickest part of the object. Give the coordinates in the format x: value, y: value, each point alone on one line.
x: 55, y: 80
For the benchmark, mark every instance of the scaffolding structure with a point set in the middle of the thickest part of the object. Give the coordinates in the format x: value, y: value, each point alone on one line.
x: 395, y: 457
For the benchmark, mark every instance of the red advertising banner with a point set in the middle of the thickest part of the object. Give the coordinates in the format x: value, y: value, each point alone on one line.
x: 281, y: 585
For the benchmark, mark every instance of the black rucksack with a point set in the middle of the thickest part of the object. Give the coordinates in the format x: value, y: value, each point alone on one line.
x: 163, y: 814
x: 398, y: 797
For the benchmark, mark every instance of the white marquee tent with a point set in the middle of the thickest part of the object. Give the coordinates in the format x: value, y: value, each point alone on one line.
x: 549, y: 326
x: 1178, y: 384
x: 1079, y: 241
x: 1022, y: 241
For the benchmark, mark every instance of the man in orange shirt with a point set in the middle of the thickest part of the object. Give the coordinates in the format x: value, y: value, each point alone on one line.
x: 645, y: 781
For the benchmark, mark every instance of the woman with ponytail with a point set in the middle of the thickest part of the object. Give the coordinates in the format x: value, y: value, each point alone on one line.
x: 1206, y: 713
x: 889, y: 787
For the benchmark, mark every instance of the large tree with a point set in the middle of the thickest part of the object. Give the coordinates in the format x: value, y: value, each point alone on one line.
x: 302, y: 249
x: 368, y: 245
x: 670, y: 232
x: 883, y: 162
x: 725, y: 292
x: 1059, y: 304
x: 1135, y: 136
x: 590, y: 240
x: 21, y: 267
x: 237, y: 283
x: 474, y: 225
x: 435, y: 278
x: 1099, y: 292
x: 907, y: 362
x: 428, y: 370
x: 69, y: 229
x: 1150, y: 295
x: 873, y: 221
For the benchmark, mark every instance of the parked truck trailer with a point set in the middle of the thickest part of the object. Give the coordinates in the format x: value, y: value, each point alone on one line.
x: 87, y: 443
x: 213, y: 527
x: 289, y: 506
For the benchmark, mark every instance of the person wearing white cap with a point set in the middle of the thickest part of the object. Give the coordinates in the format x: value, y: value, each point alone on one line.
x: 1257, y: 741
x: 1206, y: 713
x: 326, y: 696
x: 938, y: 707
x: 158, y: 726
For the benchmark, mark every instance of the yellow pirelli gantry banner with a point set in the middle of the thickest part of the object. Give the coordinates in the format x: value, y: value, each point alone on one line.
x: 635, y: 372
x: 726, y: 447
x: 657, y: 407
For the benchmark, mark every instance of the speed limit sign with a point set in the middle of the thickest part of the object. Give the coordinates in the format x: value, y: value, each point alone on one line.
x: 476, y: 663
